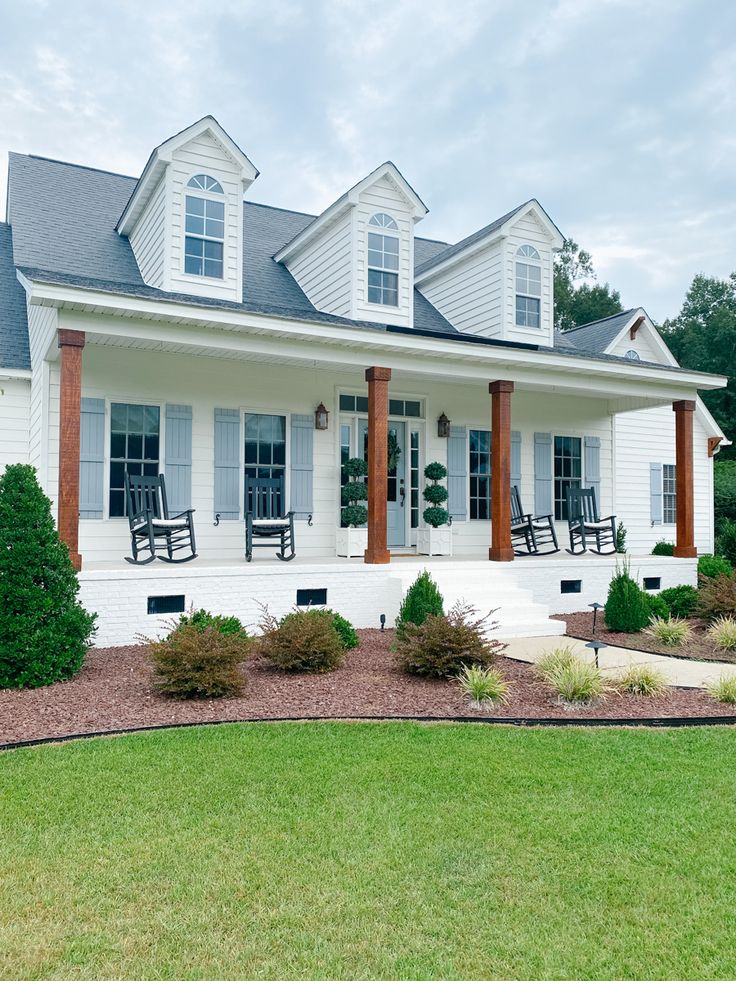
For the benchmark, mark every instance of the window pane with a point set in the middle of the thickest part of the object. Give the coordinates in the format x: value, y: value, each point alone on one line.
x: 151, y: 448
x: 361, y: 403
x: 194, y: 225
x: 135, y: 418
x: 195, y: 206
x: 117, y: 445
x: 396, y: 407
x: 347, y: 403
x: 117, y: 504
x: 375, y: 242
x: 215, y: 210
x: 118, y: 417
x: 135, y: 446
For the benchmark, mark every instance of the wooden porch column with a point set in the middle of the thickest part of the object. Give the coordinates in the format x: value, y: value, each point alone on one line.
x: 378, y: 379
x: 684, y: 502
x: 71, y: 345
x: 501, y: 549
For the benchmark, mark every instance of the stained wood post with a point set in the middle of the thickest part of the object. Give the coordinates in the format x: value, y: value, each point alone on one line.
x: 71, y: 345
x: 378, y: 378
x: 501, y: 549
x: 684, y: 483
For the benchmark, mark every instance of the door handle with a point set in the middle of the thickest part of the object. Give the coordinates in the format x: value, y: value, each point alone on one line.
x: 402, y: 491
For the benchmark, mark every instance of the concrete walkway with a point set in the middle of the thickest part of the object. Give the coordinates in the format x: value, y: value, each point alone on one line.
x: 612, y: 660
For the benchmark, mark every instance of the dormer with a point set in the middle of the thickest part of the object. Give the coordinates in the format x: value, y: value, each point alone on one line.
x: 497, y: 282
x: 184, y: 219
x: 356, y: 259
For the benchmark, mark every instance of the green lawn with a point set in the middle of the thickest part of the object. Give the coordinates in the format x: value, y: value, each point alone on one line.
x: 371, y: 851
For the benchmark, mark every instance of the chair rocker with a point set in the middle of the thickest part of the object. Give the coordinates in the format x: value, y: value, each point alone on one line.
x: 585, y: 523
x: 533, y: 534
x: 152, y: 528
x: 265, y: 518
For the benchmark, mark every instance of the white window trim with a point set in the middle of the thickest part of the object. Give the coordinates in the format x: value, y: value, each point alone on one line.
x: 207, y: 196
x: 537, y: 263
x: 387, y: 233
x: 128, y: 400
x: 262, y: 411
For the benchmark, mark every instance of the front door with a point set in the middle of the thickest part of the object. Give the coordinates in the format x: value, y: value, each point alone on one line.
x: 396, y: 483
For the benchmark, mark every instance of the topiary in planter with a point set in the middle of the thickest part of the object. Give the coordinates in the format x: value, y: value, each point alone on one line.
x: 627, y: 610
x: 354, y: 513
x: 44, y: 630
x: 422, y: 599
x: 435, y: 494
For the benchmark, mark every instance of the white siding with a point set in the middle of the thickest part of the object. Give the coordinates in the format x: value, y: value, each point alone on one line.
x: 384, y: 196
x: 148, y: 239
x: 15, y: 407
x: 528, y: 230
x: 645, y: 437
x: 643, y: 343
x: 470, y: 294
x: 325, y: 269
x: 205, y: 155
x: 42, y: 324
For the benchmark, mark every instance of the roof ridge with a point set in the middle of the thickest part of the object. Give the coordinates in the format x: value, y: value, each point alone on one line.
x: 68, y: 163
x: 602, y: 320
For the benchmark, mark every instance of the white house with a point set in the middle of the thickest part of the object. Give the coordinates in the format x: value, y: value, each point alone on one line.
x: 170, y: 324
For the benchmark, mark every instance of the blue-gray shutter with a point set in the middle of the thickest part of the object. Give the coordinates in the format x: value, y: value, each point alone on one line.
x: 516, y: 459
x: 178, y: 459
x: 227, y: 464
x: 457, y: 473
x: 302, y: 465
x: 92, y: 458
x: 592, y: 463
x: 655, y: 493
x: 543, y: 498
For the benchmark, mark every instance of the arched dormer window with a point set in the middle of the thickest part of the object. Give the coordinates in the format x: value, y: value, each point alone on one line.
x: 528, y: 287
x: 383, y: 261
x: 205, y: 228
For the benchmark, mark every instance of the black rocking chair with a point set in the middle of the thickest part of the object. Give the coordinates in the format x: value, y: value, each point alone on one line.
x: 265, y: 518
x: 152, y: 528
x: 585, y: 523
x: 531, y: 533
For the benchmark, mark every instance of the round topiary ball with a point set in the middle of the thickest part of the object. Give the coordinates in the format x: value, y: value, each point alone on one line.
x: 435, y: 471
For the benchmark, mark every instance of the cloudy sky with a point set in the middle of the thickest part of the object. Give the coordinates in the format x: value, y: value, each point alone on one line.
x: 619, y: 115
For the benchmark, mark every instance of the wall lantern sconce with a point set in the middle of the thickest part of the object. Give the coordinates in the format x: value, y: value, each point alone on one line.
x: 321, y: 417
x: 443, y: 427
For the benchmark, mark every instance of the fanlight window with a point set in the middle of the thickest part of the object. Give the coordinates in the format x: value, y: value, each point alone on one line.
x: 383, y: 262
x: 383, y: 221
x: 203, y: 182
x: 632, y: 355
x: 527, y: 252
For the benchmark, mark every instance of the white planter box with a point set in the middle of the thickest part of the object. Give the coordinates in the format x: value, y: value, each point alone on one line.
x: 352, y: 542
x: 434, y: 541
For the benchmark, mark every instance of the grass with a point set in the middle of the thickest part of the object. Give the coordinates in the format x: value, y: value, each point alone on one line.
x: 670, y: 631
x: 483, y: 686
x: 722, y: 632
x: 724, y: 690
x: 642, y: 679
x: 389, y: 851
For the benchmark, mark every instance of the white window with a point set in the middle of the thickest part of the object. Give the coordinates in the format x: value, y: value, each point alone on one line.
x: 383, y: 262
x: 528, y: 287
x: 669, y: 494
x: 205, y: 228
x: 632, y: 355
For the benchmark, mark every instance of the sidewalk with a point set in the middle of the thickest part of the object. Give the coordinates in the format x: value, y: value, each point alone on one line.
x: 677, y: 671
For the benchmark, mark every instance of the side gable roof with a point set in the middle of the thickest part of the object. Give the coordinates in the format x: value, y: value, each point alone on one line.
x: 14, y: 351
x: 599, y: 335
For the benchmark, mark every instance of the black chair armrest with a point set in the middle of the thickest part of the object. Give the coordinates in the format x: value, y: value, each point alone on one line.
x: 182, y: 514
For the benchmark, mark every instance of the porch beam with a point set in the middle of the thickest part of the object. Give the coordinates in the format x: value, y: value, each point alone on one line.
x: 684, y: 484
x: 501, y: 549
x: 378, y: 378
x: 71, y: 344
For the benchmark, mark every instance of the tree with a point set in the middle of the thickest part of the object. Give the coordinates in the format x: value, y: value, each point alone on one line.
x: 577, y: 300
x: 44, y: 630
x: 703, y: 337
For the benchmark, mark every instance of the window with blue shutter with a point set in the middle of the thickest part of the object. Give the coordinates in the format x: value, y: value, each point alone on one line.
x: 227, y: 464
x: 543, y: 503
x: 302, y: 465
x: 655, y: 493
x: 592, y: 470
x: 457, y: 473
x: 92, y: 458
x: 178, y: 460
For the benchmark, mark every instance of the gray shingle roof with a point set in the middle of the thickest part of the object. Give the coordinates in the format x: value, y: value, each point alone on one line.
x: 13, y: 320
x: 599, y: 334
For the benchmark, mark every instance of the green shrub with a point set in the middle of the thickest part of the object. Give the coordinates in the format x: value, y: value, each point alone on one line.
x: 345, y: 631
x: 726, y: 540
x: 422, y: 599
x: 717, y: 597
x: 552, y: 661
x: 483, y: 686
x: 724, y: 490
x: 642, y: 679
x: 306, y: 640
x: 656, y: 606
x: 354, y: 513
x: 711, y: 566
x: 201, y: 619
x: 724, y: 690
x: 680, y: 601
x: 442, y: 646
x: 722, y: 632
x: 621, y: 538
x: 577, y: 682
x: 626, y: 607
x: 199, y: 662
x: 672, y: 632
x: 44, y: 630
x: 664, y: 548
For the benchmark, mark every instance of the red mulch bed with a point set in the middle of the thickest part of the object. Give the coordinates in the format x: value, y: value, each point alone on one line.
x: 113, y: 691
x: 699, y: 648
